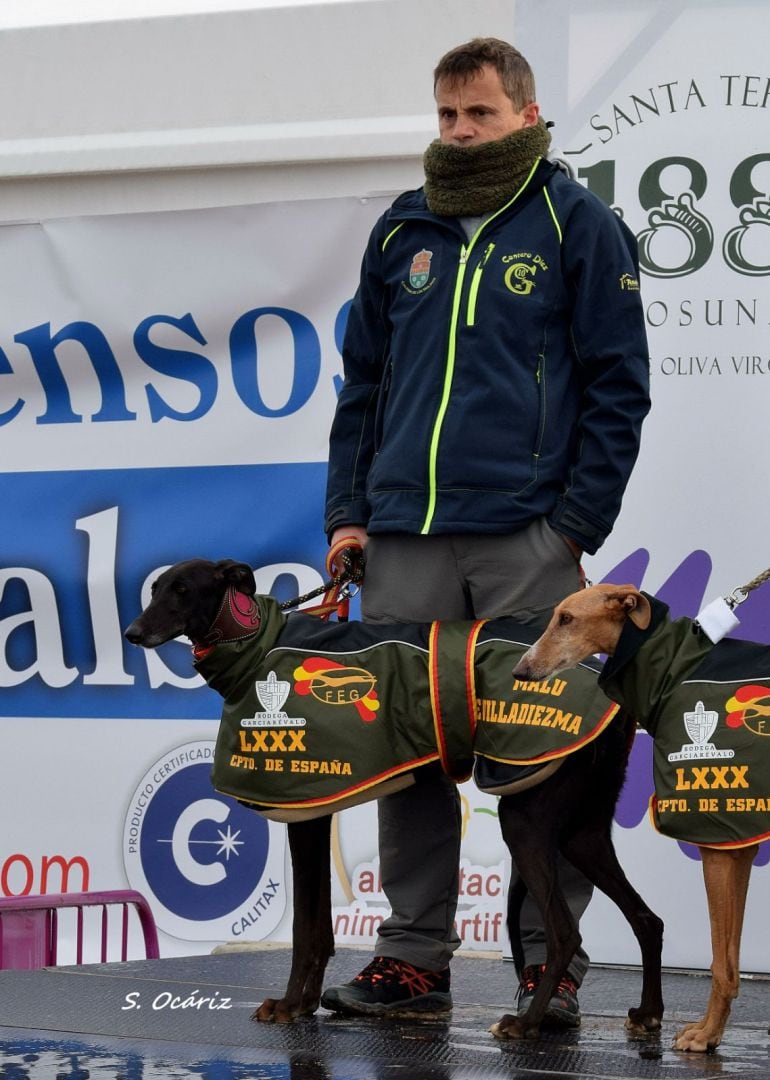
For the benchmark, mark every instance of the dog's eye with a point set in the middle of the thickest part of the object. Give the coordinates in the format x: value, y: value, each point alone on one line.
x: 179, y: 588
x: 565, y: 618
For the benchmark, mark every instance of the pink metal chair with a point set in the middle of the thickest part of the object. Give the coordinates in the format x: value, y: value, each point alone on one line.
x: 29, y: 926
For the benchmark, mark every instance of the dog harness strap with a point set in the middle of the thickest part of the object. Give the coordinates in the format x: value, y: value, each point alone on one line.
x: 453, y: 694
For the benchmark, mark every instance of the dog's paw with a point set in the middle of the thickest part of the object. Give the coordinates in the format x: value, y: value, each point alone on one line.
x: 267, y: 1011
x: 275, y: 1010
x: 513, y: 1027
x: 697, y: 1039
x: 640, y: 1022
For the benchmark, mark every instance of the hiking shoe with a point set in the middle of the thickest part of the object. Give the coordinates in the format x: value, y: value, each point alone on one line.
x: 388, y: 987
x: 563, y: 1009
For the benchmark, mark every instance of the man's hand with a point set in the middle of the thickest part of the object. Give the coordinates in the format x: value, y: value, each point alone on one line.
x: 573, y: 545
x: 347, y: 537
x: 356, y: 533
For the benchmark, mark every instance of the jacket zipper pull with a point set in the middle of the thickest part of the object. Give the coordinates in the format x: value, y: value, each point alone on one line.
x: 475, y: 283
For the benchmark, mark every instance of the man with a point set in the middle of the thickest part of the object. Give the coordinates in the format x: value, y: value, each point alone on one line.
x: 496, y: 379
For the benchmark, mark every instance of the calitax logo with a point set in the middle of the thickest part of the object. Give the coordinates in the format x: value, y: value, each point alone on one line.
x: 700, y: 725
x: 210, y: 868
x: 419, y: 271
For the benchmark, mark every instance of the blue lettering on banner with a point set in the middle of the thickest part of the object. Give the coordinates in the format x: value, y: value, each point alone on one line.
x: 77, y: 547
x: 307, y: 360
x: 45, y: 344
x: 177, y: 364
x: 42, y: 346
x: 18, y: 405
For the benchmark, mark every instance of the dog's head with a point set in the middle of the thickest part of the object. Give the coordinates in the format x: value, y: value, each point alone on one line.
x: 186, y: 599
x: 587, y: 622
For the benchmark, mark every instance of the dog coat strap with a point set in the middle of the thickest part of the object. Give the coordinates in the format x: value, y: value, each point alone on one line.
x: 453, y: 694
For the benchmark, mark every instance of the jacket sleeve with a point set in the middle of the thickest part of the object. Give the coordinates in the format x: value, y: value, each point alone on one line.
x: 600, y: 262
x: 365, y: 350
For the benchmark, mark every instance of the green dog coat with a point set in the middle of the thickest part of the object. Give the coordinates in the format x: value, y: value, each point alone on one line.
x: 708, y: 710
x: 319, y: 715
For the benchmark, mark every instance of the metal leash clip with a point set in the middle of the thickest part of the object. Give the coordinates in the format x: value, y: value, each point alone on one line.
x: 736, y: 597
x: 349, y: 590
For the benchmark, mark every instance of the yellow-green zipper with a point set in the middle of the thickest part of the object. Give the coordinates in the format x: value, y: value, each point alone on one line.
x: 475, y: 283
x: 452, y: 349
x: 448, y: 373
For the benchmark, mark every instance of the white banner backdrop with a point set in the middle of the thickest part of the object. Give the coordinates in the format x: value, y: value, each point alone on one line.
x: 168, y: 385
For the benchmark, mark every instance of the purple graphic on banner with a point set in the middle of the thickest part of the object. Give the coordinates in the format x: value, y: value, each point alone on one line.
x: 685, y: 589
x: 638, y: 788
x: 631, y: 570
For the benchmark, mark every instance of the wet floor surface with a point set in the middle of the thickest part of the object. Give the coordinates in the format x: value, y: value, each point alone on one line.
x: 189, y: 1017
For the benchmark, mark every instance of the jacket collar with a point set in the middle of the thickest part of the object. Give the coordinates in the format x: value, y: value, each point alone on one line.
x: 228, y: 666
x: 632, y: 638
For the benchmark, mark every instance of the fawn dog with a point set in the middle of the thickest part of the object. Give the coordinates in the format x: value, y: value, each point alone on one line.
x: 569, y: 811
x: 590, y: 622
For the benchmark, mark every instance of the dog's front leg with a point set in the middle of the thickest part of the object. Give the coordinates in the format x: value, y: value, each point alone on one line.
x: 726, y: 875
x: 313, y: 937
x: 562, y: 940
x: 533, y: 849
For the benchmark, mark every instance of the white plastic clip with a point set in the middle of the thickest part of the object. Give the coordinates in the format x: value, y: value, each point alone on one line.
x: 717, y: 620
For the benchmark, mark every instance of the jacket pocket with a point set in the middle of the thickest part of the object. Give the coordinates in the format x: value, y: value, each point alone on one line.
x: 542, y: 400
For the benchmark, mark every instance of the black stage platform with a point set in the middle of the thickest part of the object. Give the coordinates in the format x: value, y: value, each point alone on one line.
x: 127, y: 1021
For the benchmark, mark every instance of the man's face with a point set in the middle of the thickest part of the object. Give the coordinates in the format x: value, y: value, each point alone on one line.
x: 479, y: 110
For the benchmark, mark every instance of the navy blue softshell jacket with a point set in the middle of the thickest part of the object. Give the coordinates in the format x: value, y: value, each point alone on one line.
x: 493, y: 381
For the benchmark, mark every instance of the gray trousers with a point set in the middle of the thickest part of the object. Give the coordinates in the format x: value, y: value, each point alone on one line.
x: 463, y: 576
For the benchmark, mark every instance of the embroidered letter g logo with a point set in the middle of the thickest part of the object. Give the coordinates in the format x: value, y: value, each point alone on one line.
x: 520, y: 278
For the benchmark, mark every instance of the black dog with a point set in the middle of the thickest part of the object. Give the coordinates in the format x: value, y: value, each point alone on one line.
x: 570, y: 812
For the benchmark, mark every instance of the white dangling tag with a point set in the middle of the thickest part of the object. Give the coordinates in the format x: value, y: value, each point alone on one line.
x: 717, y: 620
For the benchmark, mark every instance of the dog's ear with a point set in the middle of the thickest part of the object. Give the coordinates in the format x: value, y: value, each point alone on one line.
x: 238, y: 574
x: 634, y: 605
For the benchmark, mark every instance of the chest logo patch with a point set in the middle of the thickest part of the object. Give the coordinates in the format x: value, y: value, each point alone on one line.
x: 700, y: 725
x: 521, y: 268
x: 419, y: 273
x: 750, y: 707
